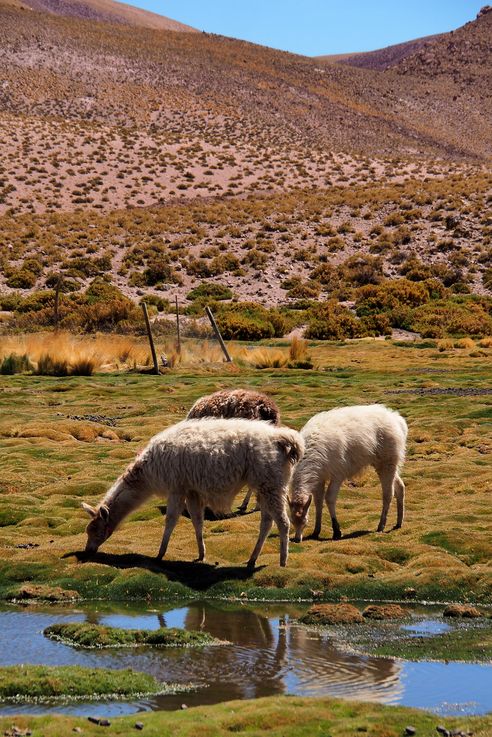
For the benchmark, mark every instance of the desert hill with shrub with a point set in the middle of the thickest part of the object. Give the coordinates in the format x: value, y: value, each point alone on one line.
x: 101, y: 10
x: 154, y: 160
x: 111, y: 115
x: 379, y: 59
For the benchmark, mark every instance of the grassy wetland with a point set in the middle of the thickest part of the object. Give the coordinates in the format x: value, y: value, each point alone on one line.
x: 64, y: 440
x: 280, y: 717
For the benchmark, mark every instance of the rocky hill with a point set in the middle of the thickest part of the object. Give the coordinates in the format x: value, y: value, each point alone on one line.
x: 158, y: 158
x: 379, y: 59
x: 107, y: 11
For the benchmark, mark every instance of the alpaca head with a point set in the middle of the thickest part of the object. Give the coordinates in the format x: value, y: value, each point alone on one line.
x: 99, y: 528
x: 299, y: 515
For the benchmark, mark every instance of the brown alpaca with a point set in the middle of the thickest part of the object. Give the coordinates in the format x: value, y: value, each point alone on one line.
x: 232, y: 403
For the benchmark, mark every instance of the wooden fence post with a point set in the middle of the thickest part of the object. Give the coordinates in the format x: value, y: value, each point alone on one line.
x: 177, y: 328
x: 57, y: 301
x: 217, y: 334
x: 151, y: 339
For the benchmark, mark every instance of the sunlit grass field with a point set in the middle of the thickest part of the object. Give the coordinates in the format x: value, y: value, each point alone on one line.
x: 50, y: 462
x: 283, y: 716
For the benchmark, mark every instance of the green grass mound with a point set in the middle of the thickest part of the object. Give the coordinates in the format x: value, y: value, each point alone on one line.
x: 84, y: 635
x: 42, y: 683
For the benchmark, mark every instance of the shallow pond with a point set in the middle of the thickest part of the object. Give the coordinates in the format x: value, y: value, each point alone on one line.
x: 269, y: 654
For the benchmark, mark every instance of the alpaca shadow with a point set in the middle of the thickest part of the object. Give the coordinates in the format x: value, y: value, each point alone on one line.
x: 349, y: 536
x: 356, y: 533
x: 197, y: 576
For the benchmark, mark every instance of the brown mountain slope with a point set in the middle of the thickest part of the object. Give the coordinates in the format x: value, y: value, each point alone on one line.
x: 463, y: 57
x: 380, y: 59
x: 103, y: 10
x: 113, y: 116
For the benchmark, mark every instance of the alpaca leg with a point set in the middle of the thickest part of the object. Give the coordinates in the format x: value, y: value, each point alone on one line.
x: 244, y: 504
x: 282, y: 521
x: 387, y: 478
x: 266, y: 523
x: 331, y: 501
x: 318, y: 494
x: 399, y: 489
x: 195, y: 508
x: 175, y: 506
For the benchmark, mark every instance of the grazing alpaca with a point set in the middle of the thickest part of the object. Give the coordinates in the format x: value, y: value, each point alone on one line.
x: 339, y: 445
x: 230, y: 403
x: 205, y: 463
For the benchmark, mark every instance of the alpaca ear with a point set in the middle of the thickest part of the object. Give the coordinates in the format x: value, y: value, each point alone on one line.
x: 104, y: 512
x: 308, y: 503
x: 90, y: 510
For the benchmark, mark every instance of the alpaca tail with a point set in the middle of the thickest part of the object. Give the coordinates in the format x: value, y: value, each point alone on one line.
x: 291, y: 443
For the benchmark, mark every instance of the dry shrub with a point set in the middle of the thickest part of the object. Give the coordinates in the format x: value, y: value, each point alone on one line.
x: 445, y: 344
x: 264, y: 358
x: 298, y: 348
x: 466, y: 343
x: 485, y: 342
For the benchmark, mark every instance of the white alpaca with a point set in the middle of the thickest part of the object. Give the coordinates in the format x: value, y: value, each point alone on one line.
x: 205, y: 463
x: 339, y: 445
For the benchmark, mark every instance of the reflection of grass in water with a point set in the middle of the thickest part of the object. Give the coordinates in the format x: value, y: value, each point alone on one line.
x: 276, y: 716
x: 39, y: 682
x: 49, y: 463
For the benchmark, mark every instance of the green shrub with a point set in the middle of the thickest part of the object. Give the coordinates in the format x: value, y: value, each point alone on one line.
x: 14, y: 364
x: 210, y: 290
x: 242, y: 327
x: 21, y: 279
x: 49, y: 366
x: 160, y: 271
x: 362, y: 269
x: 331, y: 321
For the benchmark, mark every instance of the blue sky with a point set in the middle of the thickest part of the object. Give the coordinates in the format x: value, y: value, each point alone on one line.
x: 314, y: 27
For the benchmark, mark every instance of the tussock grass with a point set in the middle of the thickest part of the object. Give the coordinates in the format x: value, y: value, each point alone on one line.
x: 50, y: 463
x: 85, y: 635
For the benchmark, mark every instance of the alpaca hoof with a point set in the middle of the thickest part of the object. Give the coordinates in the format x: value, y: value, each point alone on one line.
x: 242, y: 510
x: 337, y: 535
x: 250, y: 565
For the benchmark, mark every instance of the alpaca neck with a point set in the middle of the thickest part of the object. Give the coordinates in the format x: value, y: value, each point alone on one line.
x: 300, y: 482
x: 123, y: 498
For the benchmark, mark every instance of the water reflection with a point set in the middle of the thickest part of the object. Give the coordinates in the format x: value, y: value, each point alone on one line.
x: 269, y: 654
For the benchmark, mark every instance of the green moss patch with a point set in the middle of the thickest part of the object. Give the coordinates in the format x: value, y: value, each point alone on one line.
x: 42, y: 683
x: 96, y: 636
x: 31, y: 593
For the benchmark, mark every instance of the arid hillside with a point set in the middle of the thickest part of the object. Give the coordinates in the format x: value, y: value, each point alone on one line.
x: 380, y: 59
x: 108, y: 11
x: 155, y: 159
x: 108, y: 115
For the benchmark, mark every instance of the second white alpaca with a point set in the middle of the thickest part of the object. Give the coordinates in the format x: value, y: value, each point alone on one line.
x: 339, y: 445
